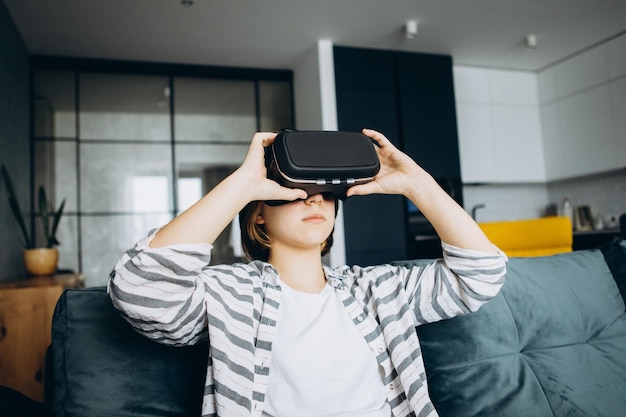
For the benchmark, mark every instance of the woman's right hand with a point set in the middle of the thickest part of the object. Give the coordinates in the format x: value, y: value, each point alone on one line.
x: 258, y: 186
x: 207, y: 218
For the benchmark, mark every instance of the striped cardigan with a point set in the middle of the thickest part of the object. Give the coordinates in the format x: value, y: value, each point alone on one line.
x: 171, y: 295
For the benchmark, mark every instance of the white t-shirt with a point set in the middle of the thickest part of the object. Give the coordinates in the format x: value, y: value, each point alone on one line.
x: 321, y: 365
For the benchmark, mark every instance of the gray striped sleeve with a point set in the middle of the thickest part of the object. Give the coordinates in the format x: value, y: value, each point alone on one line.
x: 160, y: 291
x: 459, y: 283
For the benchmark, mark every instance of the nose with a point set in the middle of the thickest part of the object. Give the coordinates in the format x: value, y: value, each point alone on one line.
x: 314, y: 198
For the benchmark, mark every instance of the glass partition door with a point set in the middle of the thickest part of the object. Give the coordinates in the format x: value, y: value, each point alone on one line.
x: 128, y: 151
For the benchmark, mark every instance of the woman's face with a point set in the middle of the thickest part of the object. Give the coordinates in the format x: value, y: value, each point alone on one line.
x: 304, y: 224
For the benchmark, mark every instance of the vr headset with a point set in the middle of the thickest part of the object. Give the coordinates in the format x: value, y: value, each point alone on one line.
x: 321, y: 161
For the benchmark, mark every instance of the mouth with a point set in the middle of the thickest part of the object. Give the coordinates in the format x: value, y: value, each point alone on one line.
x: 314, y: 218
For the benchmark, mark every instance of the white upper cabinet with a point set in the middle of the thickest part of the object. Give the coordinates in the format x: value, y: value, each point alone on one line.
x: 519, y: 149
x: 588, y: 142
x: 581, y: 72
x: 616, y: 50
x: 476, y: 145
x: 618, y: 106
x: 499, y: 126
x: 583, y: 112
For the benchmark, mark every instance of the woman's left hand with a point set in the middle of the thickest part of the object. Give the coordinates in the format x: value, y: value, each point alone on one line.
x: 396, y: 169
x: 399, y: 174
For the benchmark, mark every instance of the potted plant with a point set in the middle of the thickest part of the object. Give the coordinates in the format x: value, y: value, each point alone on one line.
x: 38, y: 260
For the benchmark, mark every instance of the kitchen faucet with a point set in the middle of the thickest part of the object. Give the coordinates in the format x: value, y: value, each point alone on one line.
x: 475, y: 209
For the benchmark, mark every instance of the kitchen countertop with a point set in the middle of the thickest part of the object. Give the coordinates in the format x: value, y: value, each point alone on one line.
x: 591, y: 239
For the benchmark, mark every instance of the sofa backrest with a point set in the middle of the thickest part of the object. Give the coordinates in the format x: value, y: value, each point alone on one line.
x: 552, y: 343
x: 99, y: 366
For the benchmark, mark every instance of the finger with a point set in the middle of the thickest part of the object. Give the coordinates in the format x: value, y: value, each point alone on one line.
x: 260, y: 140
x: 266, y: 138
x: 295, y: 193
x: 364, y: 189
x: 378, y: 137
x: 288, y: 194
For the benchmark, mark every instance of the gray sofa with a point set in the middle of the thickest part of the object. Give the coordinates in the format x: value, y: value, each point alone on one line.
x: 552, y: 343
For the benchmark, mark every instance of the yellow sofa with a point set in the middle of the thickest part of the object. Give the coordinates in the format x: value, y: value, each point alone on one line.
x: 532, y: 237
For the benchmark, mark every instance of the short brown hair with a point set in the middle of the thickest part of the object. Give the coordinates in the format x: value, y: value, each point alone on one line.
x: 254, y: 239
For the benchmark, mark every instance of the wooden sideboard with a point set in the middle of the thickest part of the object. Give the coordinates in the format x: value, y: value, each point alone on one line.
x: 26, y: 309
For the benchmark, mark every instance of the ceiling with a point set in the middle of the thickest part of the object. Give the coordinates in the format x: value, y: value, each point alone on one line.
x: 276, y: 33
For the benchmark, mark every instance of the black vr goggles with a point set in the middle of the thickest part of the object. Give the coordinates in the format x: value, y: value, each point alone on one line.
x: 321, y: 162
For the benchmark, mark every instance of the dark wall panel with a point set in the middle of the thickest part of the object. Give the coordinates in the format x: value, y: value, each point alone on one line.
x: 14, y: 140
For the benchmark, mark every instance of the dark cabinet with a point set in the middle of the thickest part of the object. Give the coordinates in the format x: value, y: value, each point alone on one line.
x: 375, y: 109
x: 429, y: 133
x: 366, y: 97
x: 428, y: 113
x: 366, y: 91
x: 410, y: 98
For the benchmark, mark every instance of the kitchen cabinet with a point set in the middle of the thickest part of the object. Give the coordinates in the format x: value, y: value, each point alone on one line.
x: 618, y: 104
x: 365, y: 89
x: 593, y: 239
x: 410, y: 98
x: 428, y: 116
x: 582, y: 112
x: 26, y: 309
x: 499, y: 126
x: 518, y: 146
x: 476, y: 143
x: 579, y: 134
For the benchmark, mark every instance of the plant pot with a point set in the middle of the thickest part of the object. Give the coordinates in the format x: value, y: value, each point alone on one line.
x: 41, y: 261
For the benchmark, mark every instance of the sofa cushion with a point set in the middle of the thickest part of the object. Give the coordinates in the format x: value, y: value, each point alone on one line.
x: 102, y: 367
x: 552, y: 343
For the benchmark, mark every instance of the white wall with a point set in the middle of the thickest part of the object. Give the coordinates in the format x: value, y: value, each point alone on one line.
x: 316, y: 109
x: 605, y: 194
x: 307, y: 91
x: 314, y: 86
x: 506, y: 201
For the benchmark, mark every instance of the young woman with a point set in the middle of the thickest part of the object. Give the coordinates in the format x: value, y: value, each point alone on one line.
x: 289, y: 336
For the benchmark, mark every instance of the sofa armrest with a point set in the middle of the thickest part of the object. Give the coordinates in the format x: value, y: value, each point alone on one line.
x: 102, y: 367
x: 614, y: 254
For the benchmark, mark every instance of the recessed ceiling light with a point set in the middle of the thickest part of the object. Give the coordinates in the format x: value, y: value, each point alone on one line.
x: 410, y: 29
x: 531, y: 41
